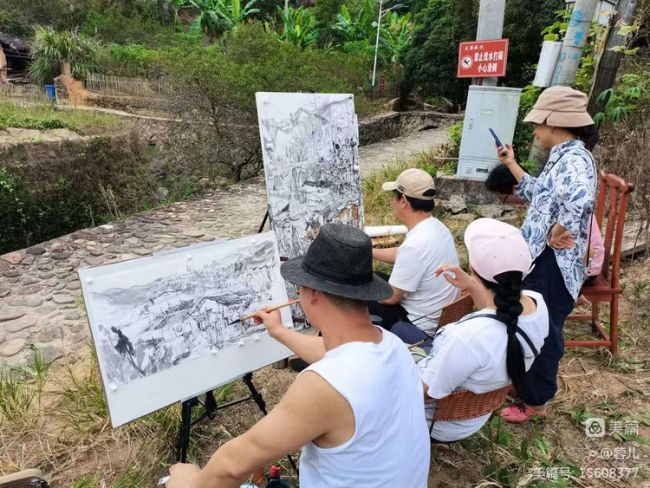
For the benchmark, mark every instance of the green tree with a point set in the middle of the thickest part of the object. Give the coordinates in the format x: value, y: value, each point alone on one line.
x: 430, y: 59
x: 51, y: 48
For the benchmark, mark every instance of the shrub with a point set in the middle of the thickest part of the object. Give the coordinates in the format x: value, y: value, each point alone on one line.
x: 45, y: 196
x: 115, y: 26
x: 131, y: 60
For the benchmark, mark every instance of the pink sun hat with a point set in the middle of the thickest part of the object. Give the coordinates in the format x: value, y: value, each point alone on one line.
x: 495, y: 247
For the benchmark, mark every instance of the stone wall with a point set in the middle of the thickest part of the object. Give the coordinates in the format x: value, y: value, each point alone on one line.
x: 396, y: 124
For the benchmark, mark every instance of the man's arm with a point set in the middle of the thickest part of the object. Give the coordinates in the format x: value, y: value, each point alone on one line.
x: 396, y: 297
x: 386, y: 255
x: 309, y: 409
x: 309, y: 348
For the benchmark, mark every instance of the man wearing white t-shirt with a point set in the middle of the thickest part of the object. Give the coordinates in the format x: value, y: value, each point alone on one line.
x: 418, y: 295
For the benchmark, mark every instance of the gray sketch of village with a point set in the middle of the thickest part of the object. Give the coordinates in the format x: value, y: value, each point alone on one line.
x: 311, y: 165
x: 150, y: 328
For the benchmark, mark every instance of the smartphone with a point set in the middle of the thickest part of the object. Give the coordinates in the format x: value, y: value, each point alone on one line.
x: 496, y: 139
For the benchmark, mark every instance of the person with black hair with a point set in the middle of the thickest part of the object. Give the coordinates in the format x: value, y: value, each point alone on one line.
x: 418, y: 296
x: 561, y: 206
x: 501, y: 182
x: 495, y: 346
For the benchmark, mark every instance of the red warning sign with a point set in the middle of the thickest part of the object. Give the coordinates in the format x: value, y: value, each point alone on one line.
x: 482, y: 59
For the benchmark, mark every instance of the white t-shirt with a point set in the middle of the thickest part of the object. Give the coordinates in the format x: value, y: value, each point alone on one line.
x: 390, y: 445
x: 427, y: 246
x: 471, y: 355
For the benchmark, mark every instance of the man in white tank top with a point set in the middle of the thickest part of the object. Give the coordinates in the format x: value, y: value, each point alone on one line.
x: 357, y: 409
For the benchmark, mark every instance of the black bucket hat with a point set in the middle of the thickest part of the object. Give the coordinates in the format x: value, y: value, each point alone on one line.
x: 339, y: 262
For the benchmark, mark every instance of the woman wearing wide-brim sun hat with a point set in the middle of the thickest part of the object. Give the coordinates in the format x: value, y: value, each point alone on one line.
x: 556, y: 228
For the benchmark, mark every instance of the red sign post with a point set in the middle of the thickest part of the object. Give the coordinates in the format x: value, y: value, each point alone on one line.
x: 482, y: 59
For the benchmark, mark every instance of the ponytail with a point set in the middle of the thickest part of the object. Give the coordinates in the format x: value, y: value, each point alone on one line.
x: 507, y: 298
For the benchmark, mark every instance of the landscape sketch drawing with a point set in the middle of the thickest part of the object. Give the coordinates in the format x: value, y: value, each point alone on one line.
x: 310, y: 148
x: 150, y: 315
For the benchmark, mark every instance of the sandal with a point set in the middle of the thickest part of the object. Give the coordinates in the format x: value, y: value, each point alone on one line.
x: 519, y: 414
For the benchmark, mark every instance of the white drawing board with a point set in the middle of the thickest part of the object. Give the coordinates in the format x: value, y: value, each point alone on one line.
x: 160, y: 324
x: 310, y: 148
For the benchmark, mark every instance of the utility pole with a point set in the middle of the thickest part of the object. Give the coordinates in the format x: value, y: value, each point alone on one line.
x: 574, y: 42
x: 568, y: 60
x: 374, y: 64
x: 490, y: 26
x: 610, y: 59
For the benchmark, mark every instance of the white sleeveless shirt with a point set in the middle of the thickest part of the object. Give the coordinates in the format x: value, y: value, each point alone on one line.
x: 390, y: 445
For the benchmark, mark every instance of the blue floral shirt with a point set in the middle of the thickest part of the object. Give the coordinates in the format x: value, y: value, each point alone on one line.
x: 563, y: 193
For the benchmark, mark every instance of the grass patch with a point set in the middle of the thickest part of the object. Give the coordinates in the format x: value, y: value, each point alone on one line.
x: 46, y: 116
x: 376, y: 202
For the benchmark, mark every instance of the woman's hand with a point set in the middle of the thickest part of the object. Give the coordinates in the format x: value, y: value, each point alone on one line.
x: 456, y: 276
x: 271, y: 320
x: 507, y: 155
x: 561, y: 238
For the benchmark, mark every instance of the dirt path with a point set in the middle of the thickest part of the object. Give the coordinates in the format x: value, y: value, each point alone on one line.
x: 375, y: 156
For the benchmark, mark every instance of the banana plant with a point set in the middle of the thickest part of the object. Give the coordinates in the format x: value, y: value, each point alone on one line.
x: 217, y: 16
x: 299, y: 26
x: 395, y: 34
x: 359, y: 27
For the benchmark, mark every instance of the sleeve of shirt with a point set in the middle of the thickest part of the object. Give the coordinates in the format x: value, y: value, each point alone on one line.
x: 596, y: 249
x: 408, y: 270
x: 574, y: 193
x: 447, y: 367
x: 526, y: 187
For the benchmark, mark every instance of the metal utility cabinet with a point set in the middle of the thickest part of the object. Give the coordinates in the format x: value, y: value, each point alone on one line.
x: 487, y: 107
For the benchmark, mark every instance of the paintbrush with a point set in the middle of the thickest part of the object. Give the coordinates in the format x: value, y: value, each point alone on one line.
x: 269, y: 309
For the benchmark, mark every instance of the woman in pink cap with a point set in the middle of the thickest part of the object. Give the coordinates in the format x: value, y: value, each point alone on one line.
x: 561, y: 203
x: 495, y: 346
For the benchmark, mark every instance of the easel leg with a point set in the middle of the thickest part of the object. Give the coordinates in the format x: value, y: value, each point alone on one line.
x: 184, y: 433
x: 255, y: 395
x: 266, y: 216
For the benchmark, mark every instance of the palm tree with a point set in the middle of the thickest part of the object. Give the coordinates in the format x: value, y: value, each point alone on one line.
x: 50, y: 49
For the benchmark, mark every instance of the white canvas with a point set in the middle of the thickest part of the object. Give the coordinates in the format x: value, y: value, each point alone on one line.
x: 310, y: 148
x: 160, y: 324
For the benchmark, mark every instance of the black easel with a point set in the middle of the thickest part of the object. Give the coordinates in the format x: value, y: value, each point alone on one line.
x: 210, y: 407
x: 266, y: 217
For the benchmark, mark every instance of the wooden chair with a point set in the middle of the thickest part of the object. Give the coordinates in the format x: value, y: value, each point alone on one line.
x: 463, y: 404
x: 456, y: 310
x: 613, y: 196
x: 29, y: 478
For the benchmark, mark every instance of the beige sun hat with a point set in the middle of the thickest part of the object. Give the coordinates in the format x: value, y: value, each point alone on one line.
x: 560, y: 106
